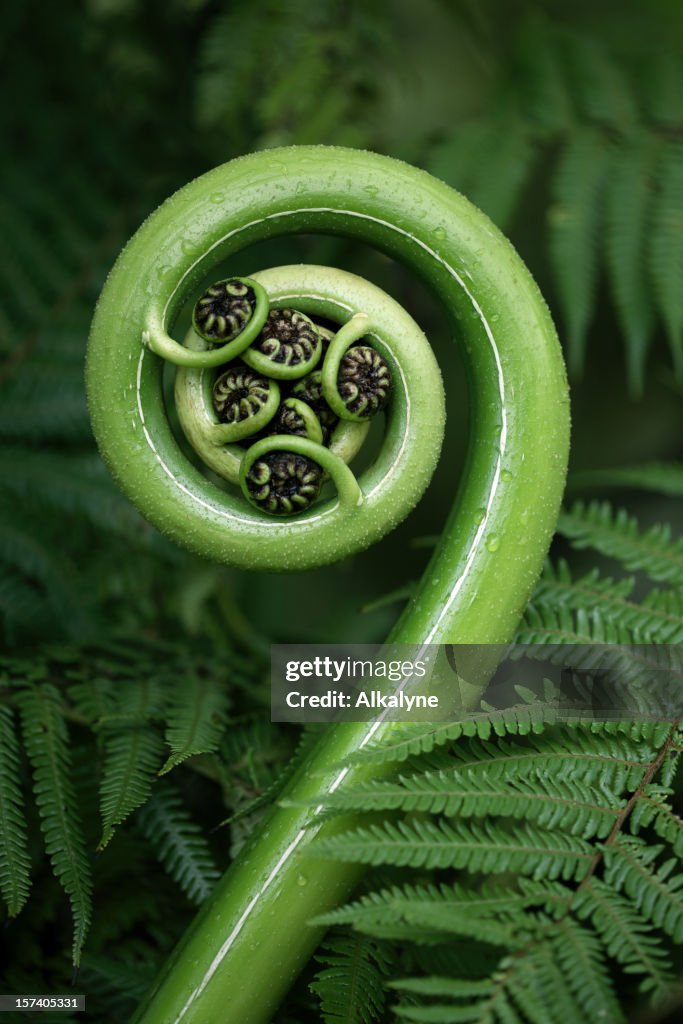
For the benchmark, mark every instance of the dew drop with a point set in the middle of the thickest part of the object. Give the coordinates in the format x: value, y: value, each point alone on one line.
x: 301, y: 880
x: 217, y: 197
x: 506, y: 475
x: 439, y: 232
x: 371, y: 190
x: 479, y: 516
x: 493, y: 543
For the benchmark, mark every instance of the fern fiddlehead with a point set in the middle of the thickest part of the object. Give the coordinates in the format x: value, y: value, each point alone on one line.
x: 252, y: 937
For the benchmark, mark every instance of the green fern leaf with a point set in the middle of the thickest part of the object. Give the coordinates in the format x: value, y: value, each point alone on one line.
x: 625, y: 933
x: 504, y: 170
x: 47, y: 746
x: 94, y: 698
x: 656, y: 893
x: 616, y: 534
x: 658, y: 477
x: 351, y: 987
x: 666, y: 247
x: 627, y: 224
x: 15, y: 864
x: 601, y: 89
x: 179, y: 843
x: 664, y: 90
x: 457, y: 159
x: 580, y: 956
x: 449, y: 1013
x: 383, y: 913
x: 574, y: 228
x: 133, y: 751
x: 652, y: 809
x: 479, y: 847
x: 659, y: 616
x: 543, y: 87
x: 576, y: 807
x: 196, y: 719
x: 25, y: 549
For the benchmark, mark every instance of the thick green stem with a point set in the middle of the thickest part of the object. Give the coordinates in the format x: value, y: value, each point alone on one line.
x: 250, y: 940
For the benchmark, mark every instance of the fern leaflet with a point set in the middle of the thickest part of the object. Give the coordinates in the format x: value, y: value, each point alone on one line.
x: 181, y: 847
x: 14, y: 860
x: 47, y: 746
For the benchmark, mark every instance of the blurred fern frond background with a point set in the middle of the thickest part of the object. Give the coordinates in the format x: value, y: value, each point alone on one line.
x: 135, y: 747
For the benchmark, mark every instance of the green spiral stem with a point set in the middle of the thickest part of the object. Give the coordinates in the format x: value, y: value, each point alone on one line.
x: 253, y: 936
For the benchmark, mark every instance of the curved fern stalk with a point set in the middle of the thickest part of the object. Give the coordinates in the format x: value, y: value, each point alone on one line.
x: 253, y: 936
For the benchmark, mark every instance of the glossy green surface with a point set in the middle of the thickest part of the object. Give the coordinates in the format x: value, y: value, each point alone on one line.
x: 252, y: 937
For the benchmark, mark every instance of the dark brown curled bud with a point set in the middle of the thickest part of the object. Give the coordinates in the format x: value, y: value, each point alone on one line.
x: 288, y: 338
x: 310, y: 391
x: 364, y: 381
x: 283, y: 483
x: 224, y: 310
x: 239, y: 393
x: 287, y: 421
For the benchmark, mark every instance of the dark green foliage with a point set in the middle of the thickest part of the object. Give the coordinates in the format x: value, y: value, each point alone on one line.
x: 14, y: 861
x: 560, y: 902
x: 616, y: 534
x: 124, y: 699
x: 350, y: 987
x: 615, y: 185
x: 47, y: 746
x: 557, y: 845
x: 557, y: 895
x: 196, y: 719
x: 181, y: 847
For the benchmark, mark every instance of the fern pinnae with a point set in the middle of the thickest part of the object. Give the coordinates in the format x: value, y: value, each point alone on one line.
x: 655, y: 891
x: 580, y: 954
x: 501, y: 176
x: 133, y: 752
x: 574, y: 226
x: 596, y: 80
x: 386, y: 908
x: 627, y: 221
x: 482, y: 847
x: 196, y: 719
x: 47, y: 745
x: 421, y: 738
x: 351, y: 985
x: 659, y: 616
x: 548, y: 986
x: 179, y: 842
x: 652, y: 809
x: 657, y: 477
x: 666, y: 247
x: 616, y: 534
x: 625, y: 933
x: 544, y: 89
x: 564, y: 754
x: 578, y: 809
x: 15, y: 864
